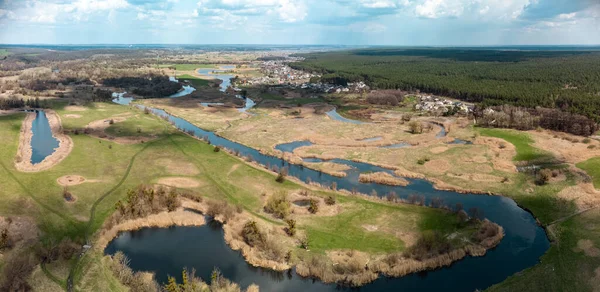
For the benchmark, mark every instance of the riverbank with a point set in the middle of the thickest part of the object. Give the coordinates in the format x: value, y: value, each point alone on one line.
x: 181, y: 217
x: 24, y: 152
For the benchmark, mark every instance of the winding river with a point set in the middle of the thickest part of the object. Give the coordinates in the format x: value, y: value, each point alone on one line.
x: 167, y: 251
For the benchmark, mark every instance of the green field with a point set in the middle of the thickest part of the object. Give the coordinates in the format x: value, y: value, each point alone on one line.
x: 195, y: 81
x: 187, y: 67
x: 521, y: 141
x: 4, y: 52
x: 592, y: 168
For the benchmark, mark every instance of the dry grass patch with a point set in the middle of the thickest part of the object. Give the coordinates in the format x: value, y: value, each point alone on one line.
x: 179, y: 182
x: 383, y: 178
x: 438, y: 150
x: 178, y: 167
x: 587, y: 247
x: 72, y: 116
x: 437, y: 166
x: 75, y: 108
x: 70, y: 180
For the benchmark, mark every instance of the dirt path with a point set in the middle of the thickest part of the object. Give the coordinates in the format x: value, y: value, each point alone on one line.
x: 65, y: 144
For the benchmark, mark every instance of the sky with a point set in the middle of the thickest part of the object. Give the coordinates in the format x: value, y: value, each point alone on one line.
x: 330, y: 22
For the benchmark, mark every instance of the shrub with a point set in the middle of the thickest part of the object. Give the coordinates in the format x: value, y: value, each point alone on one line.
x: 544, y: 176
x: 291, y: 228
x: 415, y: 127
x: 330, y: 200
x: 280, y: 178
x: 216, y: 208
x: 217, y: 149
x: 16, y: 272
x: 278, y: 205
x: 429, y: 245
x: 313, y: 206
x: 591, y: 146
x: 485, y: 231
x: 422, y: 161
x: 111, y: 121
x: 252, y: 235
x: 586, y: 140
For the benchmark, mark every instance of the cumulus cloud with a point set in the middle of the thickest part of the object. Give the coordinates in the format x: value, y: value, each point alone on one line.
x: 285, y: 10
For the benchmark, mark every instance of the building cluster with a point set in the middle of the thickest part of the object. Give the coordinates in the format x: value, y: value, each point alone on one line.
x: 430, y: 103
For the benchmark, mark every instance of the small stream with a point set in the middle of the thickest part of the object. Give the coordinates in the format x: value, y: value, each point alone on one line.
x: 225, y: 83
x: 43, y: 144
x: 167, y: 251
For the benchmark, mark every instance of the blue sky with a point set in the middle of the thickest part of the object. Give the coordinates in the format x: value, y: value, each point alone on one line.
x: 349, y: 22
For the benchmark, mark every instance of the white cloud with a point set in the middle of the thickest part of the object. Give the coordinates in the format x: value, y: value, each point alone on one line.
x: 49, y: 12
x: 492, y: 9
x: 567, y: 16
x: 285, y: 10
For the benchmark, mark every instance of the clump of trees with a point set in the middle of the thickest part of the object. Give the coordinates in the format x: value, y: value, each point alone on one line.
x: 222, y: 208
x: 508, y: 116
x: 385, y: 97
x: 278, y: 205
x: 252, y: 235
x: 330, y: 200
x: 429, y: 245
x: 143, y: 201
x: 415, y: 127
x: 313, y: 206
x: 148, y: 86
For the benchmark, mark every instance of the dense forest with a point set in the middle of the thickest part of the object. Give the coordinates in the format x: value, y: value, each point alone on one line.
x: 567, y: 80
x: 151, y: 86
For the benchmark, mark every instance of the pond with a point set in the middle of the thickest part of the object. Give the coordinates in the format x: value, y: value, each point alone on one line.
x: 43, y: 143
x: 521, y: 248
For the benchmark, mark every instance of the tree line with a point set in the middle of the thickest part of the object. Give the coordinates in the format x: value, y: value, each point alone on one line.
x: 569, y: 81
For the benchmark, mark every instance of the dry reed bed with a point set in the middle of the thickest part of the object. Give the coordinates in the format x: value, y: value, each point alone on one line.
x: 65, y: 144
x: 383, y: 178
x: 180, y: 217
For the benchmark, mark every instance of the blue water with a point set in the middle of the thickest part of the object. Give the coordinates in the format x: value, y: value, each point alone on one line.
x: 373, y: 139
x: 460, y: 142
x: 442, y: 133
x: 167, y: 251
x: 335, y: 116
x: 43, y: 144
x: 225, y: 78
x: 187, y: 89
x: 290, y: 147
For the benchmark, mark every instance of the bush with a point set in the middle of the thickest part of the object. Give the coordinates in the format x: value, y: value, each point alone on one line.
x: 291, y: 228
x: 429, y: 245
x: 217, y: 149
x: 544, y: 176
x: 586, y: 140
x: 330, y: 200
x: 415, y: 127
x: 16, y: 272
x: 252, y: 235
x: 280, y: 178
x: 591, y: 146
x: 314, y: 206
x: 111, y: 121
x: 485, y: 231
x: 422, y: 161
x: 216, y: 208
x: 278, y: 205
